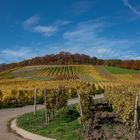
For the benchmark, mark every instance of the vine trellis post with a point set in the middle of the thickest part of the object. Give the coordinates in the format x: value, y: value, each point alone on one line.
x: 35, y: 100
x: 80, y: 106
x: 45, y: 104
x: 136, y: 125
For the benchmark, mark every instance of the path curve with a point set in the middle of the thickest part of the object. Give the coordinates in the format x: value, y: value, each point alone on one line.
x: 7, y: 114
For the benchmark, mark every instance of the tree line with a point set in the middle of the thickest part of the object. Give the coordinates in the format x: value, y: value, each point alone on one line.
x: 62, y: 58
x: 127, y: 64
x: 67, y: 58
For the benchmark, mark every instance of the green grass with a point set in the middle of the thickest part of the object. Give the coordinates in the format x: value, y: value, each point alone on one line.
x: 116, y: 70
x: 65, y: 125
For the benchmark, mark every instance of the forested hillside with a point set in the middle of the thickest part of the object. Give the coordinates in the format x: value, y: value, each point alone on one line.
x: 67, y: 58
x: 62, y: 58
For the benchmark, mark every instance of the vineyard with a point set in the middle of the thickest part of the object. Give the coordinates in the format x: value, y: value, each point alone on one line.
x: 24, y: 80
x: 71, y: 72
x: 54, y: 85
x: 118, y: 111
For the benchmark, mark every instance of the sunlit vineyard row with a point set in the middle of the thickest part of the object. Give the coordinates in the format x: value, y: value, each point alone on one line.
x: 46, y: 73
x: 11, y: 90
x: 68, y: 72
x: 17, y: 91
x: 122, y: 99
x: 59, y: 73
x: 62, y: 72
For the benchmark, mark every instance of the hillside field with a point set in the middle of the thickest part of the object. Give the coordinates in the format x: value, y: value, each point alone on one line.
x: 63, y: 82
x: 116, y: 70
x: 59, y: 73
x: 118, y: 74
x: 56, y: 72
x: 70, y: 76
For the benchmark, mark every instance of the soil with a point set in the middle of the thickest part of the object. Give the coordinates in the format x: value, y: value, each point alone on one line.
x: 106, y: 125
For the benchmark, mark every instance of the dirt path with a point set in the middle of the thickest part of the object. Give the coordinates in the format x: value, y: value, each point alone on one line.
x: 75, y: 100
x: 7, y: 114
x: 104, y: 73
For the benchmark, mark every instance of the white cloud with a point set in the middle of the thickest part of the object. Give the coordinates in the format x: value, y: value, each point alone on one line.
x: 31, y: 21
x: 50, y: 29
x: 87, y: 38
x: 134, y: 10
x: 14, y: 53
x: 45, y: 30
x: 17, y: 54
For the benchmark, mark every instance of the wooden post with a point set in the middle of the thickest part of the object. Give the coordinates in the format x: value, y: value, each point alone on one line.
x: 45, y: 103
x: 81, y: 111
x: 136, y: 118
x: 79, y: 98
x: 35, y: 96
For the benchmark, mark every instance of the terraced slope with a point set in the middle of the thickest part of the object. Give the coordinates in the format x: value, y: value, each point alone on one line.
x: 71, y: 72
x: 55, y: 72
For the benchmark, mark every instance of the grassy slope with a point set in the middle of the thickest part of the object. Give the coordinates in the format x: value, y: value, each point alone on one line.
x: 63, y: 127
x: 104, y: 73
x: 115, y: 70
x: 118, y: 74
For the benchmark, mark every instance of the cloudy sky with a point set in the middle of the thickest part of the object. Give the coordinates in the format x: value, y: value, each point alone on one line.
x: 107, y: 29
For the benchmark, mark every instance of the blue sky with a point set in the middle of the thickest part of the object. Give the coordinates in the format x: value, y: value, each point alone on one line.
x: 107, y: 29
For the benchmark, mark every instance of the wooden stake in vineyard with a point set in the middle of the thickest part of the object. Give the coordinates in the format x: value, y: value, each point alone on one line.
x: 45, y: 103
x: 135, y: 136
x: 81, y: 111
x: 35, y: 103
